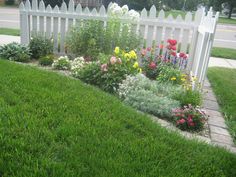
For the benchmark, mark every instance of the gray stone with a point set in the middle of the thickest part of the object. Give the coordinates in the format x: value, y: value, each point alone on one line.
x: 222, y: 139
x: 217, y: 121
x: 209, y: 104
x: 213, y: 113
x: 209, y: 96
x: 218, y: 130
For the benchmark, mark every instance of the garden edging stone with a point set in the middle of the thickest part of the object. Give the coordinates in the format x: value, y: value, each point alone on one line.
x: 219, y: 133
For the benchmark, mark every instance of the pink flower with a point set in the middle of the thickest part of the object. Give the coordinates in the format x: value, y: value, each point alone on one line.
x: 113, y: 60
x: 161, y: 46
x: 104, y: 67
x: 182, y: 121
x: 152, y: 65
x: 149, y: 49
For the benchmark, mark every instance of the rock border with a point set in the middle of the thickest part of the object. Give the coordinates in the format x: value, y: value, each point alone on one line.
x: 219, y: 133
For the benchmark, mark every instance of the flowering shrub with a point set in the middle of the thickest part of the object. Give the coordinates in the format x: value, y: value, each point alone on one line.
x: 191, y: 92
x: 189, y: 118
x: 77, y: 65
x: 109, y: 71
x: 116, y: 11
x: 168, y: 73
x: 62, y: 63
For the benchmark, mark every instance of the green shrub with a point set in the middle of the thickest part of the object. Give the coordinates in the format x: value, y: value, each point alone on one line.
x: 193, y: 97
x: 46, y: 60
x: 167, y: 73
x: 9, y: 2
x: 149, y: 96
x: 91, y: 38
x: 62, y: 63
x: 15, y: 52
x: 40, y: 47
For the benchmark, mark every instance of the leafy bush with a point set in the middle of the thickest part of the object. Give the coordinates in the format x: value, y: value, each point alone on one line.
x: 191, y: 92
x: 40, y: 47
x: 9, y: 2
x: 189, y: 118
x: 91, y: 38
x: 149, y: 96
x: 62, y: 63
x: 109, y: 72
x: 46, y: 60
x: 167, y: 73
x: 15, y: 52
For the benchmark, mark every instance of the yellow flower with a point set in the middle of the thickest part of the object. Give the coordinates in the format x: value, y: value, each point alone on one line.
x: 136, y: 65
x: 183, y: 75
x: 140, y: 70
x: 173, y: 78
x: 127, y: 56
x: 183, y: 79
x: 117, y: 50
x: 133, y: 54
x: 194, y: 78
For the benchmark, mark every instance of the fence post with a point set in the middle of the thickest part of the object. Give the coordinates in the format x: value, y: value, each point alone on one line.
x: 24, y: 22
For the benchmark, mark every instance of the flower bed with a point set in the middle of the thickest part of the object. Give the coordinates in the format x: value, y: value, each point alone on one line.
x: 141, y: 77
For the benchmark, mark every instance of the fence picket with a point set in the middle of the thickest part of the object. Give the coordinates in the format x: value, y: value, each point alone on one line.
x: 151, y: 27
x: 49, y: 22
x: 41, y: 18
x: 55, y: 30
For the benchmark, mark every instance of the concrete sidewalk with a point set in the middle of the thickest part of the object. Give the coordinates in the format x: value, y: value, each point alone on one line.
x: 220, y: 62
x: 6, y: 39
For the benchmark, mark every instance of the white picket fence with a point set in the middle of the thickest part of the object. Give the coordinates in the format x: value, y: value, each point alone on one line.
x: 197, y: 32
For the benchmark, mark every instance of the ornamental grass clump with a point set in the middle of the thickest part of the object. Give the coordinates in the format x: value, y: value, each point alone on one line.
x: 189, y: 118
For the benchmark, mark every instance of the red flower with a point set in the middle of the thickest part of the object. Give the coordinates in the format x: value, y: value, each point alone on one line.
x: 173, y: 53
x: 183, y: 55
x: 152, y: 65
x: 172, y: 41
x: 161, y: 46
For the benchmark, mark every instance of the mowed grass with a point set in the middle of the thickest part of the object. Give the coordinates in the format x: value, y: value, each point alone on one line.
x: 223, y: 53
x: 223, y: 81
x: 9, y: 31
x: 52, y: 125
x: 226, y: 20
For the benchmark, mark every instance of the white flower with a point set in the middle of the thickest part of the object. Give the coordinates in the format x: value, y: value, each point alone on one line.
x: 125, y: 9
x: 134, y: 15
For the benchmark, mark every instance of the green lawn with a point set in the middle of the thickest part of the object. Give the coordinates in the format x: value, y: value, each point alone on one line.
x: 52, y: 125
x: 223, y: 81
x: 8, y: 31
x: 225, y: 20
x: 223, y: 53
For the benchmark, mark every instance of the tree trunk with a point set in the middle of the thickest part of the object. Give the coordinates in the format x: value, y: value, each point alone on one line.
x: 230, y: 10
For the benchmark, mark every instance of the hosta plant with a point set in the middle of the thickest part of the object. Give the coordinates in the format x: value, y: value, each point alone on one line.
x: 15, y: 52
